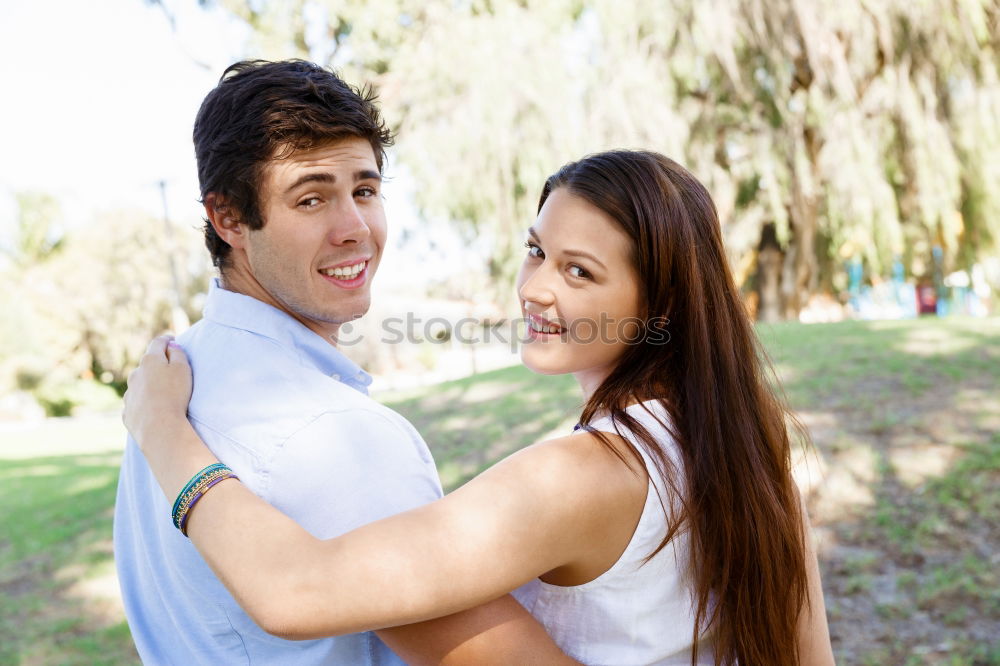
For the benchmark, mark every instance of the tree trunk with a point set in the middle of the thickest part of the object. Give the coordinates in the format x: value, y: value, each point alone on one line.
x: 801, y: 270
x: 769, y: 262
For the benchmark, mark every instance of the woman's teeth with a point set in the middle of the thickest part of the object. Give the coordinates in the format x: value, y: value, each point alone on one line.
x: 345, y: 272
x: 543, y: 328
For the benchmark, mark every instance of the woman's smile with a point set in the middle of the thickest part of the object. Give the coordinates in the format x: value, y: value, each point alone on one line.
x: 576, y: 285
x: 540, y: 328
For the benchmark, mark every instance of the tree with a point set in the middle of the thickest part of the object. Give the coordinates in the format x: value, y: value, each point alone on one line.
x: 36, y: 235
x: 825, y: 131
x: 89, y: 310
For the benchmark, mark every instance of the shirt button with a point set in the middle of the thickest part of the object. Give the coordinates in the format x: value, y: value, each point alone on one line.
x: 335, y: 377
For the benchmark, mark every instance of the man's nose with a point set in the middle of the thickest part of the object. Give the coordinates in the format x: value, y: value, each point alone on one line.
x: 348, y: 225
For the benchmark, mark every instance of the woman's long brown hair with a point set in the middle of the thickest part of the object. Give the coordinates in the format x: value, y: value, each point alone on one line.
x: 736, y: 497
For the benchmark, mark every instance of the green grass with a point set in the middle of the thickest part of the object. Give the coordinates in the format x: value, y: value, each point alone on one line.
x: 830, y: 365
x: 925, y: 588
x: 909, y: 573
x: 57, y: 488
x: 473, y: 422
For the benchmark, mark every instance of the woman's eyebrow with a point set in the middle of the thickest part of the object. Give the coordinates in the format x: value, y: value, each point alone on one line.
x: 572, y: 253
x: 585, y: 255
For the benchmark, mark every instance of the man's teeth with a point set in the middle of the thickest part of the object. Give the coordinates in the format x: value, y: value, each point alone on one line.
x: 543, y: 328
x: 345, y: 272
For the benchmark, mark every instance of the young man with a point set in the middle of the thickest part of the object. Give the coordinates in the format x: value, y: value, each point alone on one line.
x: 290, y: 161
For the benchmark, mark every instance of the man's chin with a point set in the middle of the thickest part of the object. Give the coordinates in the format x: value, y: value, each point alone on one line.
x: 343, y: 317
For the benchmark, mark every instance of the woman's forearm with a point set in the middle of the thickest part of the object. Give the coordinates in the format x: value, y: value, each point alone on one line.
x: 240, y: 536
x: 268, y: 562
x: 295, y: 586
x: 259, y: 554
x: 518, y: 520
x: 175, y: 453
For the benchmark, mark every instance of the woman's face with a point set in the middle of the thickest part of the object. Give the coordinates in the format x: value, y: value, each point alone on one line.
x: 579, y: 291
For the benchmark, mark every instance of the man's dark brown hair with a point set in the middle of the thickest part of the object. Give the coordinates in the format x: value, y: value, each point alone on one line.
x: 262, y: 111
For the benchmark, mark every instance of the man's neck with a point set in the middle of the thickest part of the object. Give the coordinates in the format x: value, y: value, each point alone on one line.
x: 240, y: 282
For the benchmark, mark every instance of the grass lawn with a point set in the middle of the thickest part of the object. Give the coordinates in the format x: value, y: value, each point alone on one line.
x: 905, y: 491
x: 58, y: 594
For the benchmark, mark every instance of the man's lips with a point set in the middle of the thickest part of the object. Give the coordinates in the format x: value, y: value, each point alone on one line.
x: 347, y: 274
x: 349, y: 263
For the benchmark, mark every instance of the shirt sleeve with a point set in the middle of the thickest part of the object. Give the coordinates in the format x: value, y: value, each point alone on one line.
x: 348, y: 468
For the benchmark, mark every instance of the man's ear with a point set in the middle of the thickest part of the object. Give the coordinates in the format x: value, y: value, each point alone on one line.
x: 225, y: 220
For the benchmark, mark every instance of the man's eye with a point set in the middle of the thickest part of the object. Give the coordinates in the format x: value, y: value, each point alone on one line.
x: 534, y: 250
x: 576, y: 271
x: 366, y: 192
x: 310, y: 202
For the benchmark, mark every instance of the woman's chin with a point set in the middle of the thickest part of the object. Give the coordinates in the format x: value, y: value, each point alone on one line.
x: 542, y: 366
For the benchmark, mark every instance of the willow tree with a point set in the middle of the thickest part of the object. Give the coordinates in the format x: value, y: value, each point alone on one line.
x: 851, y: 125
x: 825, y: 131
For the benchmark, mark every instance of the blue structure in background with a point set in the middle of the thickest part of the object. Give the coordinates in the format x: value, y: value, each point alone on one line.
x: 892, y: 299
x: 896, y: 298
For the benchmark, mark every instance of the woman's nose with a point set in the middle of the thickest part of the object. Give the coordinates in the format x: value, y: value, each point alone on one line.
x: 536, y: 288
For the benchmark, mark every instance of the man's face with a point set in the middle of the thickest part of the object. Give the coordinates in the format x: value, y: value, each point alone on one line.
x: 323, y: 234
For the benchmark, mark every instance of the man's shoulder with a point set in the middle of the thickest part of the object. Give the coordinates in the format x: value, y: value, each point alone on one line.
x: 243, y: 380
x: 236, y: 358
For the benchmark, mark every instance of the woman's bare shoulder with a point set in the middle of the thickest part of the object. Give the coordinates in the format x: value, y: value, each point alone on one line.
x: 582, y: 465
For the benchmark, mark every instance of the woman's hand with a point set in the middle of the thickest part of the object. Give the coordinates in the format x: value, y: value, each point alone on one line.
x: 158, y: 391
x: 156, y: 416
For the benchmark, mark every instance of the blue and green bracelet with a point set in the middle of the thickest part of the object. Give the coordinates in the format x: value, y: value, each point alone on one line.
x: 195, y: 490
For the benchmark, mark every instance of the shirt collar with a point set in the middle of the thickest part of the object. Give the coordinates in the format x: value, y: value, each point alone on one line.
x: 246, y: 313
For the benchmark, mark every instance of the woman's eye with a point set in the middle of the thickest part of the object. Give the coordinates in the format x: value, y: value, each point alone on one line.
x: 534, y: 250
x: 576, y: 271
x: 310, y: 202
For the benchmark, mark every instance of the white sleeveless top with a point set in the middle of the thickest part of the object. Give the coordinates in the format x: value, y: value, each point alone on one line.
x: 636, y: 612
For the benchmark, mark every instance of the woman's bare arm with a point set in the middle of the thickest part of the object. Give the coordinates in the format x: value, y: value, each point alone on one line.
x: 814, y: 634
x: 498, y: 633
x: 540, y: 509
x: 543, y: 508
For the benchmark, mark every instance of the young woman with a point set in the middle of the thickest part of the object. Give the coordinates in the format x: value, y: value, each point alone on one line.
x: 667, y: 529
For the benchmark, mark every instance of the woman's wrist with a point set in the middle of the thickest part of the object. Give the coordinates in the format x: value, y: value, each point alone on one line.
x: 175, y: 453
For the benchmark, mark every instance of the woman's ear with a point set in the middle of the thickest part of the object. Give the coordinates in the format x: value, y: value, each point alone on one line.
x: 225, y: 220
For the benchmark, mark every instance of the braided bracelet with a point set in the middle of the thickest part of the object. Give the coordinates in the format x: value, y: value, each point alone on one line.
x: 195, y: 490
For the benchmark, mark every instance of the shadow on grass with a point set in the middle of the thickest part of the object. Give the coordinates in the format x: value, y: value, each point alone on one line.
x: 830, y: 366
x: 912, y: 578
x: 471, y: 423
x: 912, y: 412
x: 909, y: 578
x: 57, y: 513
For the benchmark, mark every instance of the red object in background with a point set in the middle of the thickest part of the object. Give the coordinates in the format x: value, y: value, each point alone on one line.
x: 926, y: 299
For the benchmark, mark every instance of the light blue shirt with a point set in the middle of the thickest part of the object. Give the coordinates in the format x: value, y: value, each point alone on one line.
x: 291, y: 416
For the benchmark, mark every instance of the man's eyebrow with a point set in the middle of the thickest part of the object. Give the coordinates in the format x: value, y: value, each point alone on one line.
x: 367, y: 174
x: 318, y: 177
x: 325, y: 177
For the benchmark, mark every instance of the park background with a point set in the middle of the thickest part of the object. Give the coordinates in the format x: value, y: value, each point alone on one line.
x: 852, y: 149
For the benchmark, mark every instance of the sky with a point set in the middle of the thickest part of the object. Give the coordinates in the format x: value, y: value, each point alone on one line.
x: 98, y: 102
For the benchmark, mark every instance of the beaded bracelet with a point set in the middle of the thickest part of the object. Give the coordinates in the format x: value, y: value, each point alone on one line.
x: 195, y: 490
x: 190, y: 484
